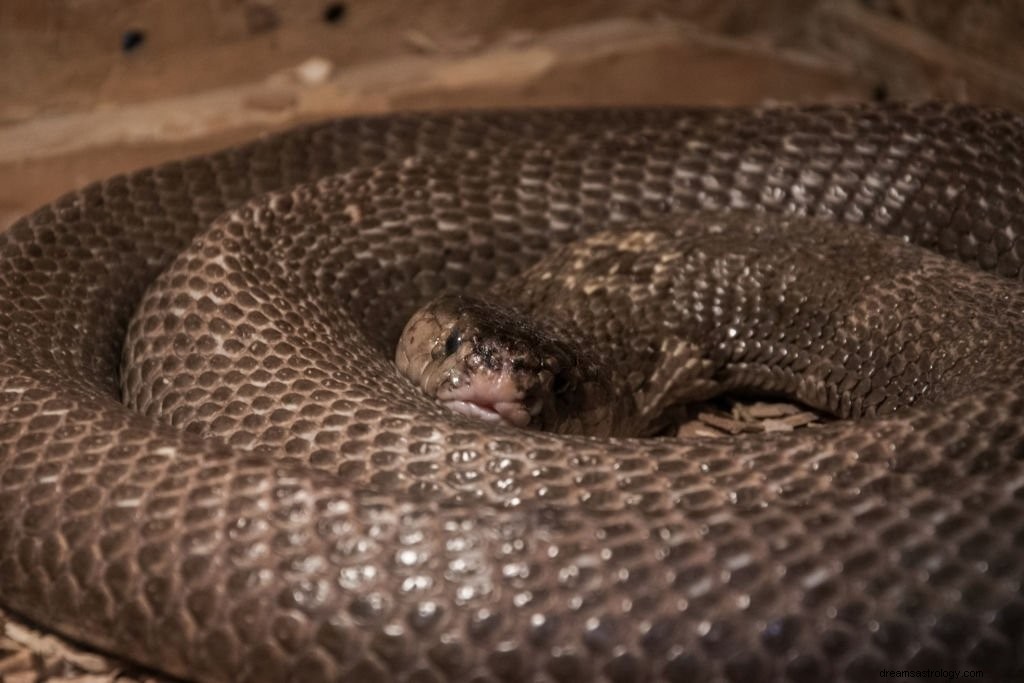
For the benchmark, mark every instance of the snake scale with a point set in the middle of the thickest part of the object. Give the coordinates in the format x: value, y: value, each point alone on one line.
x: 284, y: 506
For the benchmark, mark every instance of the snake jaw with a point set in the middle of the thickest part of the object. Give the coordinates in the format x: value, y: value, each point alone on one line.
x: 510, y: 412
x: 490, y: 396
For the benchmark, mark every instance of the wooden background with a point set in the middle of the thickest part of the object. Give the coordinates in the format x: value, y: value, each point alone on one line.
x: 94, y: 87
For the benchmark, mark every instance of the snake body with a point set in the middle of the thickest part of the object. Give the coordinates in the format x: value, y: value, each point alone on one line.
x: 283, y: 505
x: 614, y: 333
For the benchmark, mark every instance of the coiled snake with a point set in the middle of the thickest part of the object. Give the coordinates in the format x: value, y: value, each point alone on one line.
x: 288, y: 507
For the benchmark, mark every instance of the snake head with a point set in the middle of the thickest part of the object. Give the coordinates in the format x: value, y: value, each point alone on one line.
x: 487, y: 360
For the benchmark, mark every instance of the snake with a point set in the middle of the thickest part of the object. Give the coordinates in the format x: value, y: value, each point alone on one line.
x: 211, y: 465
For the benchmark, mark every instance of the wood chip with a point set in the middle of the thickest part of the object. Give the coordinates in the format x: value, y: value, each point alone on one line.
x: 694, y: 429
x: 730, y: 417
x: 788, y: 424
x: 727, y: 424
x: 51, y: 646
x: 762, y: 410
x: 15, y: 662
x: 22, y: 677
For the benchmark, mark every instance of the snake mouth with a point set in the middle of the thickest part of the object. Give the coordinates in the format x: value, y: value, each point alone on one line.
x: 493, y: 398
x: 515, y: 413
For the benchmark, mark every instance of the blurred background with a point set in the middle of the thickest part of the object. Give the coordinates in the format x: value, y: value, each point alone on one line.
x: 89, y: 88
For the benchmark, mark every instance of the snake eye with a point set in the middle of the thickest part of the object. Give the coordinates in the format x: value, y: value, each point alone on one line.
x: 560, y: 384
x: 452, y: 343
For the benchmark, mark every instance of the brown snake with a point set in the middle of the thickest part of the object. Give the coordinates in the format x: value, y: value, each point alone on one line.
x: 299, y: 511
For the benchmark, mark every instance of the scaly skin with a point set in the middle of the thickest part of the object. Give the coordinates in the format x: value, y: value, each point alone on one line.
x: 287, y: 507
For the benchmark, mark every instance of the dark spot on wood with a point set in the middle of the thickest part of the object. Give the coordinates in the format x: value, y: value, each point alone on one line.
x: 334, y: 12
x: 132, y: 39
